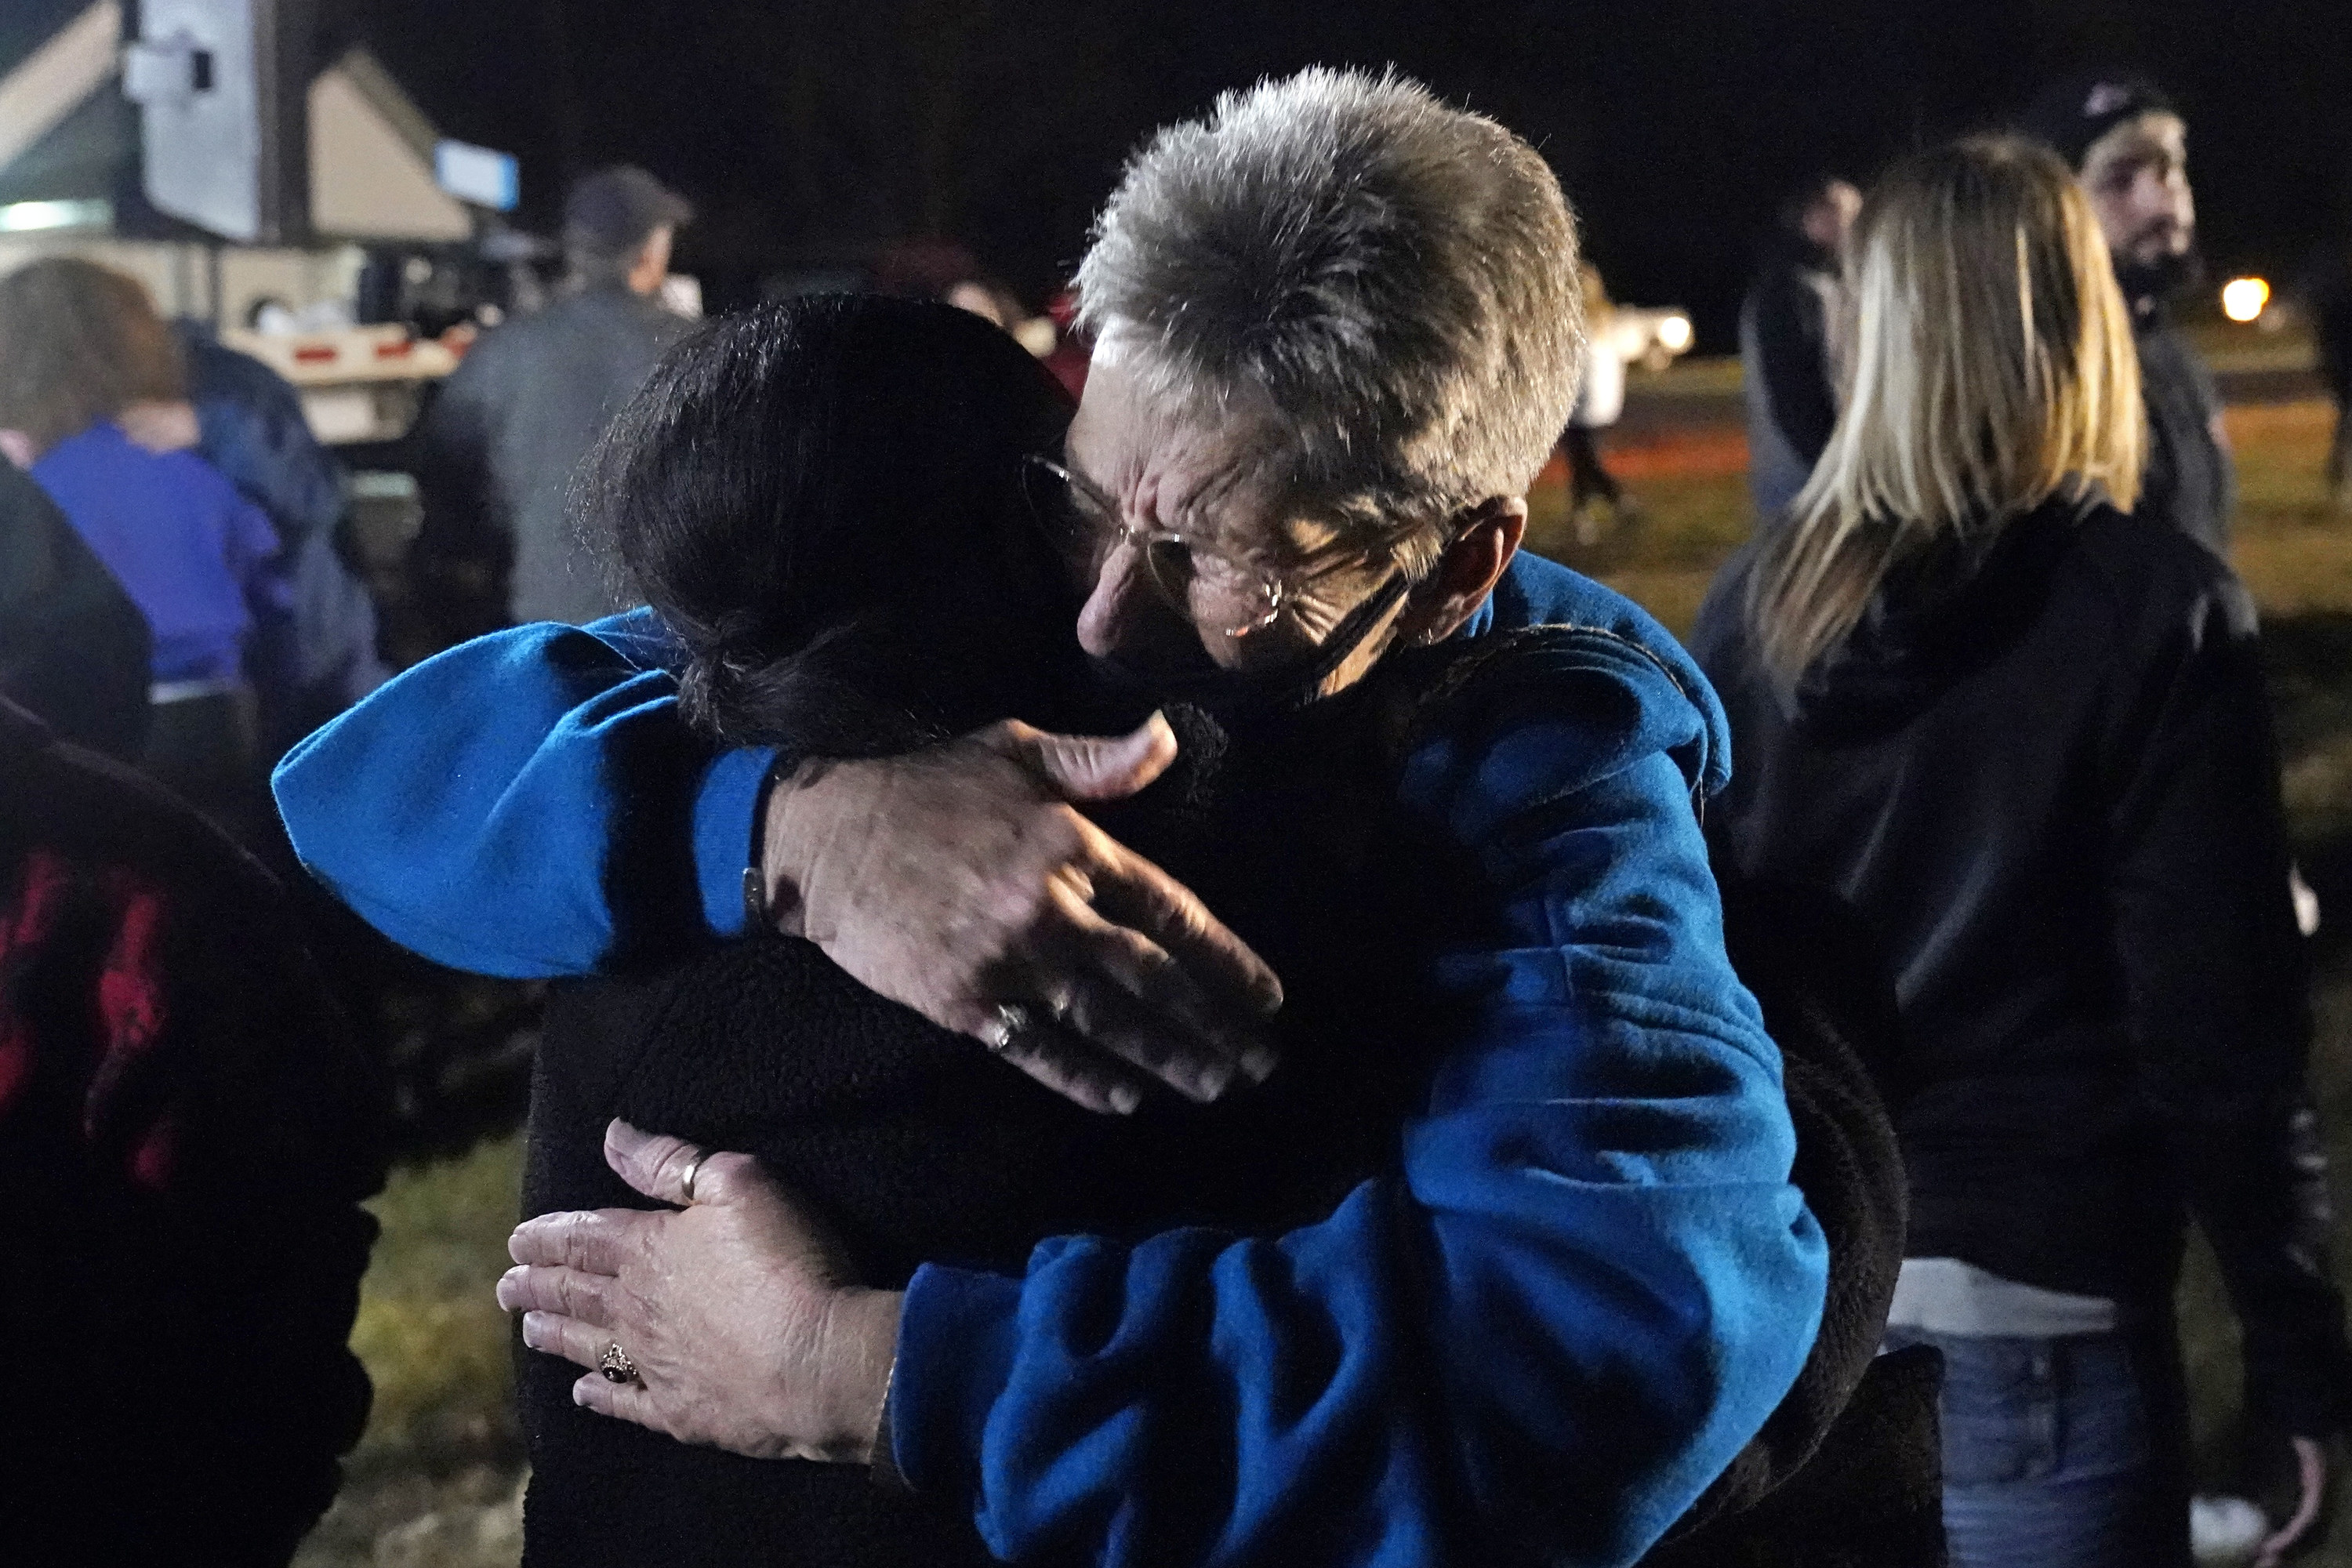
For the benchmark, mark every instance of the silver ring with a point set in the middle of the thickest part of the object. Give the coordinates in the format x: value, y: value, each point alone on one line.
x: 1012, y: 1018
x: 694, y: 1169
x: 615, y: 1364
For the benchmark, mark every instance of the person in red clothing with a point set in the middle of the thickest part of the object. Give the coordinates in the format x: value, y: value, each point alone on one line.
x: 186, y: 1132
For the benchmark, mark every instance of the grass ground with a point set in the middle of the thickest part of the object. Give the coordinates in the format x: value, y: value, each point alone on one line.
x: 434, y: 1480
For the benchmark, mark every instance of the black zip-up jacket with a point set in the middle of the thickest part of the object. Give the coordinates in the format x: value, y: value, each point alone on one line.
x: 2047, y: 775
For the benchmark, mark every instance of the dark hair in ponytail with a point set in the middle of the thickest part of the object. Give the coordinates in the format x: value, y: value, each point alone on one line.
x: 820, y: 498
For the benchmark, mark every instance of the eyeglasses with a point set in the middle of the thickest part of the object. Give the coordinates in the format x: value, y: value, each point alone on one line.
x: 1213, y: 590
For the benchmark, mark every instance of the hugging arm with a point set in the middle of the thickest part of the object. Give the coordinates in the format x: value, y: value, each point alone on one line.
x: 533, y: 804
x: 1586, y: 1285
x: 478, y: 808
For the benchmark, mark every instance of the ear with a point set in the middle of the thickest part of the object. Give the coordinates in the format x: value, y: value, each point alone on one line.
x: 1483, y: 546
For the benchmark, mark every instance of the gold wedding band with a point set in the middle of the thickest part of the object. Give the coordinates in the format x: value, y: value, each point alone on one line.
x: 694, y: 1169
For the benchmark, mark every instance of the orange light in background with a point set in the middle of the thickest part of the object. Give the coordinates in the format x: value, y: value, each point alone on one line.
x: 2242, y: 299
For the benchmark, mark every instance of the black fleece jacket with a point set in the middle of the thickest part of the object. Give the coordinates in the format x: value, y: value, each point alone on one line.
x: 2046, y: 774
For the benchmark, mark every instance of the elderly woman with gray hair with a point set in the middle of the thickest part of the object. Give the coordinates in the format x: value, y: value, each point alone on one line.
x: 1337, y: 320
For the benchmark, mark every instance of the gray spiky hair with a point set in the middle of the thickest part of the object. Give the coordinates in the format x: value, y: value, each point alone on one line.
x: 1395, y: 279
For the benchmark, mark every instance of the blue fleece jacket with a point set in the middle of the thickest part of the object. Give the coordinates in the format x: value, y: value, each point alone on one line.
x: 1586, y: 1284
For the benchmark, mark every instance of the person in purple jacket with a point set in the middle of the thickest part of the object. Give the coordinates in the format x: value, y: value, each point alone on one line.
x: 80, y: 344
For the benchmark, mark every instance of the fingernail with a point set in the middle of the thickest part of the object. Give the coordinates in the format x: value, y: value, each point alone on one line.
x: 578, y: 1397
x: 532, y: 1329
x: 1211, y: 1082
x: 1259, y: 1062
x: 1125, y: 1098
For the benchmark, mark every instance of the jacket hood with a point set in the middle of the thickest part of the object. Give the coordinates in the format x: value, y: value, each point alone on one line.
x: 1940, y: 616
x: 1536, y: 593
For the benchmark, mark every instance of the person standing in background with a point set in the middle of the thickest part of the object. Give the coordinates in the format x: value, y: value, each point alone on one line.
x: 79, y: 344
x: 1789, y: 330
x: 246, y: 420
x: 510, y: 425
x: 2332, y: 310
x: 2129, y: 146
x: 1599, y: 402
x: 186, y: 1135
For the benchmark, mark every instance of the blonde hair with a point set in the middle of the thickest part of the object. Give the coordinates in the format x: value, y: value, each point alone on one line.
x: 79, y: 342
x: 1992, y: 368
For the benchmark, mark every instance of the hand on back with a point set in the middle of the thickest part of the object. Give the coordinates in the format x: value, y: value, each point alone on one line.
x: 959, y: 880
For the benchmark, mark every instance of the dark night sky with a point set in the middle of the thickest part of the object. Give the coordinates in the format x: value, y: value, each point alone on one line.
x: 809, y: 129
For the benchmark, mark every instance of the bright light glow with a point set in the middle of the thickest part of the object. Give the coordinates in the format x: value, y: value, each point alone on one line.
x: 27, y: 217
x: 2242, y: 299
x: 1674, y: 333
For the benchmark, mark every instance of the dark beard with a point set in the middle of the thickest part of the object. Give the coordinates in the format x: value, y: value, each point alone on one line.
x: 2147, y: 284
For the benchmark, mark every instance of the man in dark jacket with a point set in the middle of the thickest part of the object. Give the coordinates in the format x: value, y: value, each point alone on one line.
x: 1788, y: 325
x: 2122, y: 135
x: 511, y: 424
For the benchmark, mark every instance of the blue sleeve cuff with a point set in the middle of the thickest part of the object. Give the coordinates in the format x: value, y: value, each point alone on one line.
x: 958, y: 1332
x: 723, y: 810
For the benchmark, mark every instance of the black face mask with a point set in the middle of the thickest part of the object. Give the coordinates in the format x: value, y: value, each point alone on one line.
x: 1237, y: 695
x: 2158, y: 282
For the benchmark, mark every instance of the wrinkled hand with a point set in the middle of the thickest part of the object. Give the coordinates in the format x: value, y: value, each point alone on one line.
x: 2311, y: 1466
x: 963, y: 877
x: 747, y: 1332
x: 160, y: 426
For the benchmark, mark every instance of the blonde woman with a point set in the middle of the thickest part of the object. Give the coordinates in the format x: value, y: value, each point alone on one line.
x: 2027, y: 736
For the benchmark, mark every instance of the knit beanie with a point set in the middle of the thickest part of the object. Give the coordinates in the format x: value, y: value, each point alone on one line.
x: 2073, y: 112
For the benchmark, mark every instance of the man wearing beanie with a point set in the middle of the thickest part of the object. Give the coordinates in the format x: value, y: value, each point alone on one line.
x: 2129, y: 146
x: 515, y: 419
x: 2122, y: 135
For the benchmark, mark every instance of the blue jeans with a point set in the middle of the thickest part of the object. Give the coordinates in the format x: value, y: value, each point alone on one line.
x: 2062, y: 1453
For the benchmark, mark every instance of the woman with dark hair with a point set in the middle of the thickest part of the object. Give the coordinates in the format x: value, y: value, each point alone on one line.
x: 2026, y: 734
x: 822, y: 502
x: 79, y: 345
